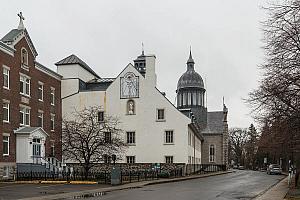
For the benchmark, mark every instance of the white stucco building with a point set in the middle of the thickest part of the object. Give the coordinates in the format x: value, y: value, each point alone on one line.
x: 155, y: 130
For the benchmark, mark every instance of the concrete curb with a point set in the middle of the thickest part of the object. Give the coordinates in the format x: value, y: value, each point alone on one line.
x: 101, y: 191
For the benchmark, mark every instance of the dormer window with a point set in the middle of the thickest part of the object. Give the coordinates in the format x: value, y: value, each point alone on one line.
x: 24, y: 57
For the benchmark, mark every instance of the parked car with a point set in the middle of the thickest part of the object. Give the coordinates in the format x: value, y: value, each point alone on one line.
x: 274, y: 169
x: 241, y: 167
x: 235, y: 167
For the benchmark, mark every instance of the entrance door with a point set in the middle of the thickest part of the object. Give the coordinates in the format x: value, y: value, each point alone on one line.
x: 36, y: 150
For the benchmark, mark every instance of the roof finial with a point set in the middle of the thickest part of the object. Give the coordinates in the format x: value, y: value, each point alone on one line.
x: 190, y: 60
x: 142, y: 48
x: 21, y: 25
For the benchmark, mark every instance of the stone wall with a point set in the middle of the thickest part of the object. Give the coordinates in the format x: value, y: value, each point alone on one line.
x: 217, y: 140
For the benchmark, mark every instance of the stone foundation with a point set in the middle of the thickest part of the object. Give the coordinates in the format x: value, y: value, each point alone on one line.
x: 7, y: 171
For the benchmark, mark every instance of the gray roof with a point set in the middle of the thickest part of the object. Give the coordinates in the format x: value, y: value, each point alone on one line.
x: 9, y: 37
x: 28, y: 130
x: 96, y: 84
x: 215, y: 123
x: 73, y: 59
x: 190, y: 79
x: 48, y: 70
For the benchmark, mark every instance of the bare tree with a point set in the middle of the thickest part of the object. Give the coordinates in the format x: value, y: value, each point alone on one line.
x: 237, y: 140
x: 277, y: 99
x: 88, y: 138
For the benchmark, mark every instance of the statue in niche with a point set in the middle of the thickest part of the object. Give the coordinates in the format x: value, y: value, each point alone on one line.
x: 130, y: 106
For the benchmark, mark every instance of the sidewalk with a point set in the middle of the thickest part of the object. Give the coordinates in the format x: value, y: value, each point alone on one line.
x: 277, y: 192
x: 101, y: 191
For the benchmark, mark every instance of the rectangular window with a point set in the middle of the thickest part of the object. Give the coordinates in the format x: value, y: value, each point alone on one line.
x: 100, y: 116
x: 52, y: 124
x: 40, y: 119
x: 40, y: 91
x: 52, y: 96
x: 169, y: 137
x: 169, y: 159
x: 24, y: 85
x: 212, y: 153
x: 107, y: 137
x: 5, y: 111
x: 130, y: 137
x: 160, y: 114
x: 130, y: 159
x: 24, y: 116
x: 6, y: 78
x: 5, y: 145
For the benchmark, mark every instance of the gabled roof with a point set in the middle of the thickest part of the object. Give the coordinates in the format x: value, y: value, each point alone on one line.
x: 11, y: 37
x: 29, y: 130
x: 73, y: 59
x: 215, y: 123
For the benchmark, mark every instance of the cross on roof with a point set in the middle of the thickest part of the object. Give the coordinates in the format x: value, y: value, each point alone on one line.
x: 21, y: 16
x: 21, y: 25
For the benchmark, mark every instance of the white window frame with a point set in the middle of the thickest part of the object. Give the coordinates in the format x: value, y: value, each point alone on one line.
x: 24, y: 64
x: 8, y: 112
x: 42, y: 117
x: 5, y: 135
x: 169, y: 157
x: 42, y: 90
x: 52, y: 96
x: 167, y: 137
x: 130, y: 137
x: 36, y: 147
x: 212, y: 158
x: 130, y: 159
x: 52, y: 118
x: 26, y: 82
x: 26, y: 113
x: 157, y: 115
x: 6, y: 72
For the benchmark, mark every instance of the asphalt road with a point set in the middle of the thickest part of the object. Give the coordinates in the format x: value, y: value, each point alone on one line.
x: 242, y: 185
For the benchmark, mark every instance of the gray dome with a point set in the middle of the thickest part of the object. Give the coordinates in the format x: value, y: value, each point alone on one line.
x: 190, y: 79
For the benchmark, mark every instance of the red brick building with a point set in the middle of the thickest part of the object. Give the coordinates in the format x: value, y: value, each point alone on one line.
x: 30, y: 128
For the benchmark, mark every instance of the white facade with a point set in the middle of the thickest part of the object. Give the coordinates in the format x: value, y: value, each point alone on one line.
x: 150, y: 144
x: 25, y: 142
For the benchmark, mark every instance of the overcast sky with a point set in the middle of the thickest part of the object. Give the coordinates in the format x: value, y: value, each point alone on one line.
x: 107, y: 35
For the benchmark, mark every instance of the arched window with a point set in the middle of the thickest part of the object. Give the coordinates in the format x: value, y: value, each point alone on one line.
x: 130, y: 107
x: 24, y: 57
x: 212, y: 152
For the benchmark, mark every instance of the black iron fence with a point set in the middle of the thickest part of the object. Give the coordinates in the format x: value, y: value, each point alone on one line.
x: 127, y: 176
x: 204, y: 168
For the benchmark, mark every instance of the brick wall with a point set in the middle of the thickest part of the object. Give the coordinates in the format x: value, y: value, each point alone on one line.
x: 13, y: 95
